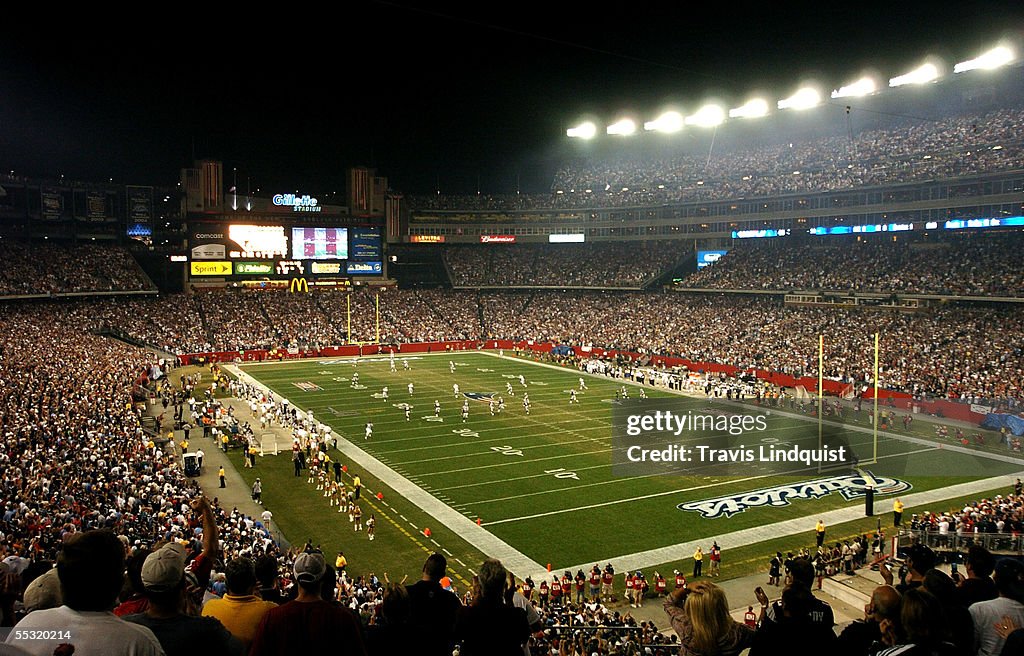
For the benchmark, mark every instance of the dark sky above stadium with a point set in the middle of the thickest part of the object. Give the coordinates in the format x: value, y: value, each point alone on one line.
x: 449, y: 96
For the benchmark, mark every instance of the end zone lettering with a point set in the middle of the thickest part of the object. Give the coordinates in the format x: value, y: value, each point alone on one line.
x: 850, y: 486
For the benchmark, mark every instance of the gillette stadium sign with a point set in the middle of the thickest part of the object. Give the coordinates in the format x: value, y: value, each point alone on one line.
x: 298, y: 203
x: 851, y: 487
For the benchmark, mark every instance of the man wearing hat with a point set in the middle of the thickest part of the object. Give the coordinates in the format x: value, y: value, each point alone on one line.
x: 90, y: 569
x: 165, y: 585
x: 308, y: 624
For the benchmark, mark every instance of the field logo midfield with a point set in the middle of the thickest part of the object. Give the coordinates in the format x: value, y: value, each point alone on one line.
x: 850, y: 486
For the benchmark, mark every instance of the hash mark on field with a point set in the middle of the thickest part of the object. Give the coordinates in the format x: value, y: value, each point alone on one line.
x: 414, y: 526
x: 470, y: 570
x: 460, y: 562
x: 436, y: 544
x: 448, y: 553
x: 403, y: 517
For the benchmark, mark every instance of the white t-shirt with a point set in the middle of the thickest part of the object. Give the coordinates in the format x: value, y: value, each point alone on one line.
x: 92, y: 633
x: 985, y: 615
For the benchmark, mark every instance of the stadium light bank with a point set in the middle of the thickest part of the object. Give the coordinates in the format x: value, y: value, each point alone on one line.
x: 992, y: 59
x: 804, y: 98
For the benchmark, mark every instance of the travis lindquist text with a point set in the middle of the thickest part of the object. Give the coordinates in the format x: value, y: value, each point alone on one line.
x: 764, y: 453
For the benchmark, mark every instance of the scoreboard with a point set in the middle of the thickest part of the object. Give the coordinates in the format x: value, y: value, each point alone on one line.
x: 277, y: 251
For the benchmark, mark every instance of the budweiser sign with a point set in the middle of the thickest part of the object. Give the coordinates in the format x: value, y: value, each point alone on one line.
x: 497, y: 239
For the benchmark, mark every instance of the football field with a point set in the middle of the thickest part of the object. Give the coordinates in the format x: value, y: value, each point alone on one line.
x: 543, y: 482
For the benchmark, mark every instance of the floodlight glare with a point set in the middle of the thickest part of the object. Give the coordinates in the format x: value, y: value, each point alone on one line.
x: 862, y: 87
x: 751, y: 109
x: 623, y: 127
x: 707, y: 116
x: 667, y: 122
x: 920, y: 75
x: 994, y: 58
x: 803, y: 99
x: 585, y: 130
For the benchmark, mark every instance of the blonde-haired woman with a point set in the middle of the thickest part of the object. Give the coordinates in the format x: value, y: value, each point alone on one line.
x: 700, y: 617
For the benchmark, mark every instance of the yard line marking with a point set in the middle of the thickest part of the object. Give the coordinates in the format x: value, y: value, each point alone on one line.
x: 649, y: 496
x: 480, y: 538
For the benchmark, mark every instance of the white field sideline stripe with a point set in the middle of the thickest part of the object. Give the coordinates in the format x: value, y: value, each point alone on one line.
x: 657, y: 494
x: 796, y: 526
x: 463, y: 526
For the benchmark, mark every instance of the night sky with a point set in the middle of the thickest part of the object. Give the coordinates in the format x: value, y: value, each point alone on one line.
x: 452, y: 97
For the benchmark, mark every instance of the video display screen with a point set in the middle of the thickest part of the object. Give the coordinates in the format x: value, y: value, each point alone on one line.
x: 319, y: 243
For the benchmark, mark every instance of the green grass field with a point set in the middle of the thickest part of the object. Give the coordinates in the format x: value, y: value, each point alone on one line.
x: 541, y: 482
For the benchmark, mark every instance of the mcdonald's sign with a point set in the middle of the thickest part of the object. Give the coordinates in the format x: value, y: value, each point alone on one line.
x: 298, y: 285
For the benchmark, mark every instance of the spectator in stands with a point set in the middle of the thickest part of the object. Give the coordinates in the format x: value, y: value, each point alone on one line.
x: 921, y: 628
x: 700, y: 617
x: 959, y: 626
x: 978, y: 586
x: 240, y: 610
x: 920, y: 559
x: 1009, y: 580
x: 136, y: 601
x: 856, y: 639
x: 799, y: 623
x: 166, y: 587
x: 266, y: 573
x: 308, y: 624
x: 391, y: 631
x: 91, y: 571
x: 492, y: 625
x: 434, y: 609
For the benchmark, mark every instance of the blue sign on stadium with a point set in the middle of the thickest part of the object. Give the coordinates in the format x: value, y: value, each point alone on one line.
x: 707, y: 258
x: 365, y: 268
x: 364, y: 244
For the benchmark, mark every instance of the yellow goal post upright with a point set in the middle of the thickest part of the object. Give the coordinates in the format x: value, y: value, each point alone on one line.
x: 874, y: 410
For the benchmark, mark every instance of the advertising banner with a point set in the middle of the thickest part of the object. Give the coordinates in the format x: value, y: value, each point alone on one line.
x: 210, y: 268
x: 365, y: 268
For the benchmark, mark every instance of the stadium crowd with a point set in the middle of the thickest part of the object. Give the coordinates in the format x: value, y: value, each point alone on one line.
x: 908, y: 152
x: 51, y: 267
x: 608, y: 264
x: 984, y: 265
x: 950, y: 351
x: 84, y: 486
